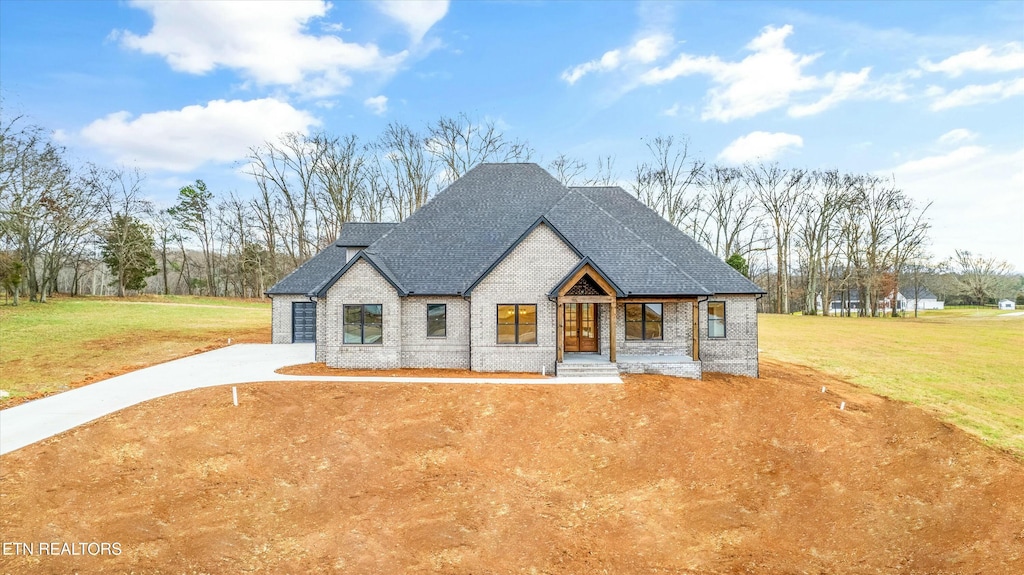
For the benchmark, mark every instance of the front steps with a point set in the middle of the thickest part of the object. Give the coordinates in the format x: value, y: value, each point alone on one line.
x: 598, y: 366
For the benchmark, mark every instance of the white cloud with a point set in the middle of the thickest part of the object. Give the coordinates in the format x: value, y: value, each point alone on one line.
x: 982, y: 59
x: 182, y: 140
x: 975, y: 94
x: 644, y: 51
x: 765, y: 80
x: 267, y: 42
x: 377, y: 104
x: 931, y: 164
x: 418, y: 16
x: 957, y: 136
x: 976, y: 195
x: 844, y: 87
x: 759, y: 146
x: 672, y: 112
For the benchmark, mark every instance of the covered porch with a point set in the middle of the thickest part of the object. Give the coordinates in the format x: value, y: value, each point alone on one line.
x: 589, y: 337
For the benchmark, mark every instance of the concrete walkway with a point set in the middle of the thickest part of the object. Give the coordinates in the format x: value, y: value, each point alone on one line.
x: 36, y: 420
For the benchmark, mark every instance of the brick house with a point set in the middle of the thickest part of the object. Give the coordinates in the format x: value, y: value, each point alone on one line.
x: 508, y: 270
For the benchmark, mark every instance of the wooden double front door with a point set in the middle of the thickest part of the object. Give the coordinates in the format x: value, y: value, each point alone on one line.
x: 580, y: 327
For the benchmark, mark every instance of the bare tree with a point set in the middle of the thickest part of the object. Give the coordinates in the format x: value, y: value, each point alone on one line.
x: 980, y: 277
x: 165, y: 233
x: 403, y: 169
x: 46, y: 213
x: 341, y: 175
x: 604, y: 172
x: 881, y: 202
x: 266, y: 210
x: 779, y: 191
x: 909, y: 239
x: 567, y: 170
x: 818, y: 236
x: 730, y: 208
x: 665, y: 183
x: 288, y: 169
x: 462, y: 142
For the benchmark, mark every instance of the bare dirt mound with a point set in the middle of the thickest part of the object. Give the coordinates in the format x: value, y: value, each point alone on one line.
x: 660, y: 475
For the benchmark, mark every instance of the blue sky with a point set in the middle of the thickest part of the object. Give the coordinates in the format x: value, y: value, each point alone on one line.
x: 930, y: 92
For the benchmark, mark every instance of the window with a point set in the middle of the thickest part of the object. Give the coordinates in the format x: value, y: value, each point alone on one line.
x: 517, y: 323
x: 716, y: 319
x: 644, y: 321
x: 437, y: 320
x: 363, y: 323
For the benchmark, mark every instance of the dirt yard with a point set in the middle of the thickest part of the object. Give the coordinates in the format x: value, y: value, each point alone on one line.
x: 725, y: 475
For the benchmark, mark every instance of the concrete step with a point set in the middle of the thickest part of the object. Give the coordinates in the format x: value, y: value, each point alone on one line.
x: 602, y: 369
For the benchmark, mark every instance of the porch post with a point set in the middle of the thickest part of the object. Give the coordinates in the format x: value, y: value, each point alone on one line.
x: 611, y: 331
x: 560, y: 331
x: 696, y: 332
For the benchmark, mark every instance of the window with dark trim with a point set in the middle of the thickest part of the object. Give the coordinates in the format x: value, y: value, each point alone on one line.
x: 644, y: 321
x: 363, y: 324
x: 716, y: 319
x: 437, y: 320
x: 517, y: 323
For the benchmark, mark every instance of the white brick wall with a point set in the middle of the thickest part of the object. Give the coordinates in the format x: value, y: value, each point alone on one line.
x: 737, y: 352
x: 525, y: 276
x: 418, y: 350
x: 361, y: 284
x: 281, y: 317
x: 677, y: 331
x: 321, y: 328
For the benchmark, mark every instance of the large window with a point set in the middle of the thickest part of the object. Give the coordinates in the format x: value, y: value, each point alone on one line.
x: 437, y: 320
x: 517, y: 323
x: 644, y: 321
x: 716, y: 319
x: 363, y: 323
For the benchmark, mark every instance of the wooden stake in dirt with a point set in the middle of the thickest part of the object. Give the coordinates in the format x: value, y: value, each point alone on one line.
x: 234, y: 395
x: 823, y: 389
x: 842, y: 406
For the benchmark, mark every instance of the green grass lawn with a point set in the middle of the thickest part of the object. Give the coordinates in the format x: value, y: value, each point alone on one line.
x: 966, y: 365
x: 49, y: 347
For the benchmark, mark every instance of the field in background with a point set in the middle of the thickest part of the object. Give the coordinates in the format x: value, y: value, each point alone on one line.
x: 966, y: 365
x: 70, y: 341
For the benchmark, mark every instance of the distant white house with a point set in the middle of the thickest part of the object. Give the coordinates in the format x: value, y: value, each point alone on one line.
x: 920, y: 298
x: 907, y: 299
x: 1006, y: 304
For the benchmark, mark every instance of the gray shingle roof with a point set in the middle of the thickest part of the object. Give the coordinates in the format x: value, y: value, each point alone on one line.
x: 451, y: 242
x: 362, y: 234
x: 921, y: 292
x: 688, y: 268
x: 448, y: 243
x: 310, y: 276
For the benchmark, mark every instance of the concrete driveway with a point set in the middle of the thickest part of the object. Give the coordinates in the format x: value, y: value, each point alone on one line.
x: 36, y: 420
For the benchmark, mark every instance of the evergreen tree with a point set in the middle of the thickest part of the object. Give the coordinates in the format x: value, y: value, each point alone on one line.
x: 127, y: 249
x: 739, y: 264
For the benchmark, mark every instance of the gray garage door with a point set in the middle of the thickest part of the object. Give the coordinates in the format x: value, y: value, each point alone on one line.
x: 303, y: 322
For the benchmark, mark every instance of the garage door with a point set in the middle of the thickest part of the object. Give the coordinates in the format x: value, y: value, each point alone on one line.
x: 303, y: 322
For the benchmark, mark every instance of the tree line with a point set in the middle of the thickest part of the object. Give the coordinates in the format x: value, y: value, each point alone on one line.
x: 803, y: 235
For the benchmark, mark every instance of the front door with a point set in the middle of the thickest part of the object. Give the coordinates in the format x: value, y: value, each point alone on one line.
x: 581, y: 327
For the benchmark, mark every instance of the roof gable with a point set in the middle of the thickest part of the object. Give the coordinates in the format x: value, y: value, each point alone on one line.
x: 450, y: 242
